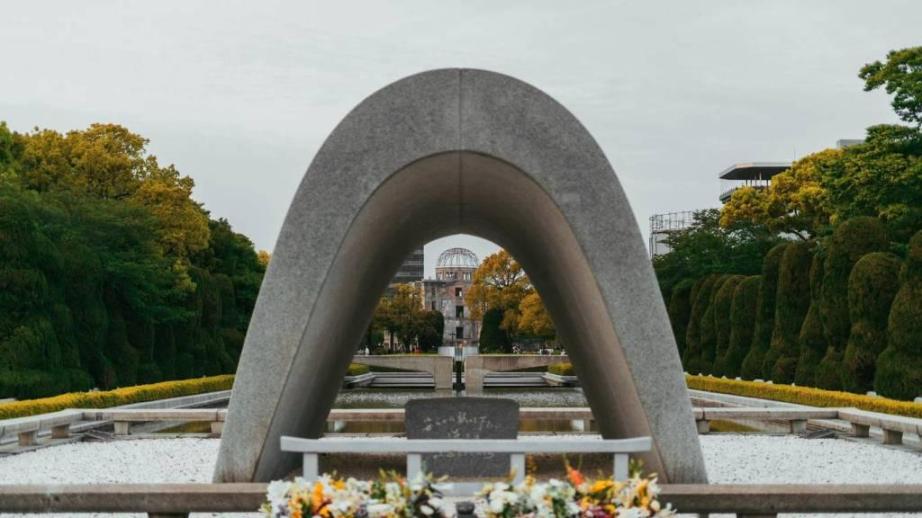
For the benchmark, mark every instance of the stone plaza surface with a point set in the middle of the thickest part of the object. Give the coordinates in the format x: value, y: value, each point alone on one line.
x: 730, y: 458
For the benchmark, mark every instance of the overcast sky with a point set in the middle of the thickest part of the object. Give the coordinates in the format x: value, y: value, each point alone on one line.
x: 240, y: 95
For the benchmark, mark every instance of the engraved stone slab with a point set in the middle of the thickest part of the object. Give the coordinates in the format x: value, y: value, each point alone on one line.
x: 463, y: 418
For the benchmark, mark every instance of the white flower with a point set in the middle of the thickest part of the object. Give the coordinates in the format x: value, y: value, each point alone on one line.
x: 426, y: 510
x: 376, y: 510
x: 277, y: 493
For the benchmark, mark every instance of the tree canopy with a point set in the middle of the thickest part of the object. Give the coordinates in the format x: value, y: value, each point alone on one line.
x: 110, y: 273
x: 706, y: 247
x: 500, y: 284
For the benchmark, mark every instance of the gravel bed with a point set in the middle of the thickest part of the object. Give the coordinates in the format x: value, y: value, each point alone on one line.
x: 730, y: 458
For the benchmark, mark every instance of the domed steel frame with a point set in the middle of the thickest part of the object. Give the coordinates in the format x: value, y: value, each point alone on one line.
x: 457, y: 258
x: 440, y: 153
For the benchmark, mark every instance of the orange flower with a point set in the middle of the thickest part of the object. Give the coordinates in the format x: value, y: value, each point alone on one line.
x: 575, y: 477
x: 317, y: 497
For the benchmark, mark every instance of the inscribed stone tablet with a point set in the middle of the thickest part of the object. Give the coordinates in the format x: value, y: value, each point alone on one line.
x: 463, y: 418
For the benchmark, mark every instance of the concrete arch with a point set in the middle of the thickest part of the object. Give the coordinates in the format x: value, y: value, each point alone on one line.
x: 442, y: 152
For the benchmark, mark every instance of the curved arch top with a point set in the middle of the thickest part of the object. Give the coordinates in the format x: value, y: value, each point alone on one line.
x: 437, y: 153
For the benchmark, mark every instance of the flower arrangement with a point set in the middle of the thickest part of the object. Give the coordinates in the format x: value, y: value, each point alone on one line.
x: 576, y: 497
x: 390, y: 496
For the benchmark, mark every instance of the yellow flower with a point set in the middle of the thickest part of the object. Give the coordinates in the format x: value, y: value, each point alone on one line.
x: 600, y: 485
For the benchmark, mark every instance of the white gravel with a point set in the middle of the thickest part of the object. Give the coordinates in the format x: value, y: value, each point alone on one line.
x: 730, y: 458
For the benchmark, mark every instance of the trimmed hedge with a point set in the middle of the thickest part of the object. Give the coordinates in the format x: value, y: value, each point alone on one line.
x: 811, y: 339
x: 899, y: 367
x: 702, y: 296
x: 679, y: 311
x: 723, y: 301
x: 561, y: 369
x: 742, y: 314
x: 851, y: 240
x: 791, y: 303
x: 804, y: 395
x: 116, y: 397
x: 357, y: 369
x: 765, y: 314
x: 872, y: 285
x: 705, y: 361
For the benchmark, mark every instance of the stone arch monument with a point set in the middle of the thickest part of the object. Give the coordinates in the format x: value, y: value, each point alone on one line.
x: 443, y: 152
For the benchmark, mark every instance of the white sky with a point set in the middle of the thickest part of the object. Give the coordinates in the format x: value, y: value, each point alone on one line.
x: 240, y: 95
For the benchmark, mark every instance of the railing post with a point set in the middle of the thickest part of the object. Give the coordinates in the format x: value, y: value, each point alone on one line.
x: 414, y: 465
x: 893, y: 437
x: 704, y: 426
x: 861, y: 430
x: 620, y: 467
x: 517, y: 464
x: 798, y: 426
x: 28, y: 438
x: 62, y: 431
x: 311, y: 468
x: 122, y: 427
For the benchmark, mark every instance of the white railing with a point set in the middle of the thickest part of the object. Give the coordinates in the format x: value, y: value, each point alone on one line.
x: 415, y: 448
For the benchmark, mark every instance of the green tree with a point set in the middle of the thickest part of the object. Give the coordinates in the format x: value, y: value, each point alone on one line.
x: 679, y: 312
x: 792, y: 301
x: 706, y: 247
x: 765, y: 314
x: 901, y: 77
x: 811, y: 340
x: 493, y: 338
x: 851, y: 240
x: 696, y: 333
x: 92, y: 292
x: 872, y: 284
x: 899, y: 366
x: 723, y: 302
x: 742, y: 316
x: 880, y: 178
x: 432, y: 329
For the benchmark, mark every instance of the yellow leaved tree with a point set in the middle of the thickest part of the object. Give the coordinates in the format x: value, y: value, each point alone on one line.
x: 795, y: 202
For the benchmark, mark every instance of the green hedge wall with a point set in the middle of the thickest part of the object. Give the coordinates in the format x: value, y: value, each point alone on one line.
x: 899, y: 366
x: 742, y: 315
x: 872, y: 284
x: 705, y: 361
x: 851, y: 240
x: 791, y: 303
x: 811, y: 340
x: 765, y: 314
x: 679, y: 311
x: 723, y: 302
x: 702, y: 289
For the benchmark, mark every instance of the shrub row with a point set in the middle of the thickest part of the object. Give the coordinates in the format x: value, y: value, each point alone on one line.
x: 357, y: 369
x: 841, y: 314
x: 116, y: 397
x: 561, y: 369
x: 804, y: 395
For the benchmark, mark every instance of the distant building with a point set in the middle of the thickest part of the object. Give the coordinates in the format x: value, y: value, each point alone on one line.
x: 753, y: 174
x: 661, y: 225
x: 454, y: 274
x: 412, y: 268
x: 846, y: 142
